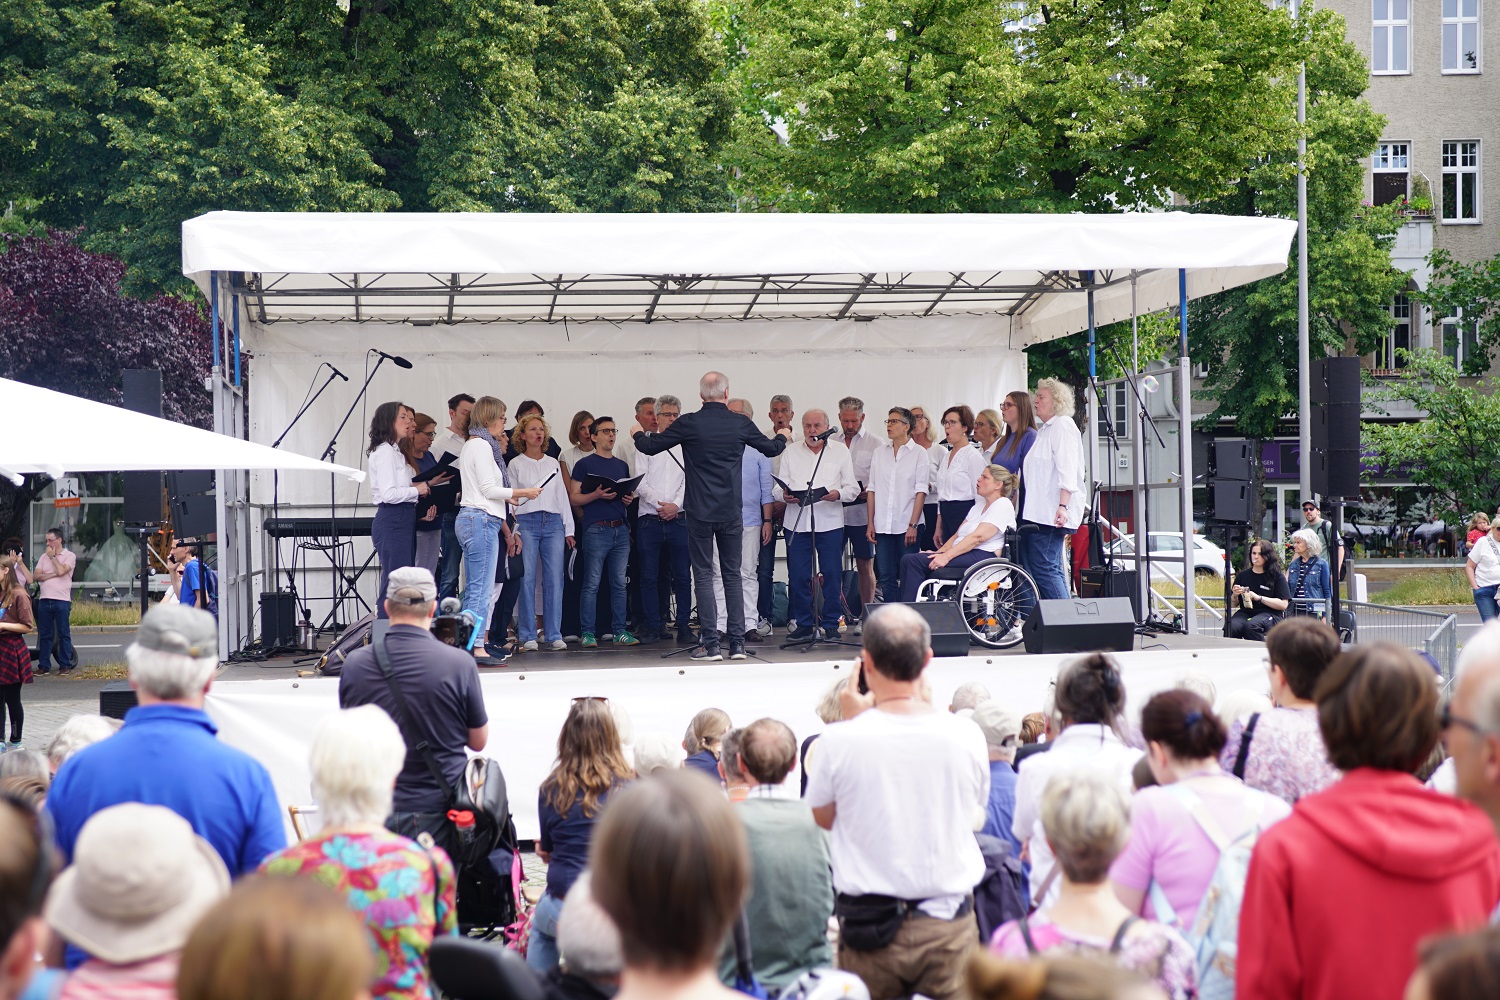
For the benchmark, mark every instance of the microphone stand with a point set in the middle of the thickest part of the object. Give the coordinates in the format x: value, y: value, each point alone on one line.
x: 817, y: 638
x: 348, y: 583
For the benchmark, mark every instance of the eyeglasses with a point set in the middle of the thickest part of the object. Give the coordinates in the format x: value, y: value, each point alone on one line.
x: 605, y: 430
x: 668, y: 413
x: 1447, y: 720
x: 951, y: 423
x: 894, y: 420
x: 1007, y: 405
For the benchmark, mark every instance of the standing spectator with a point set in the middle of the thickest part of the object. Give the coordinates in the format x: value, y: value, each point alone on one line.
x: 1002, y: 731
x: 901, y: 786
x: 277, y: 938
x: 167, y: 754
x: 193, y: 580
x: 404, y: 892
x: 1261, y: 592
x: 1471, y: 724
x: 1307, y: 574
x: 26, y: 871
x: 704, y: 739
x: 440, y: 686
x: 590, y: 766
x: 1483, y: 569
x: 1177, y: 827
x: 968, y: 695
x: 420, y: 457
x: 1055, y: 494
x: 11, y: 548
x: 588, y: 947
x: 394, y: 531
x: 1281, y: 751
x: 451, y: 442
x: 15, y: 658
x: 1020, y: 432
x: 1458, y: 965
x: 897, y: 493
x: 662, y: 524
x: 862, y: 446
x: 791, y: 891
x: 546, y: 527
x: 1374, y: 864
x: 1087, y: 818
x: 829, y: 710
x: 736, y: 786
x: 78, y: 732
x: 756, y: 531
x: 1479, y: 526
x: 605, y: 537
x: 139, y: 881
x: 1086, y: 713
x: 815, y: 463
x: 1323, y: 528
x: 54, y: 606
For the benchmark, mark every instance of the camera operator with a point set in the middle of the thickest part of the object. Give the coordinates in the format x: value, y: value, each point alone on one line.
x: 440, y: 695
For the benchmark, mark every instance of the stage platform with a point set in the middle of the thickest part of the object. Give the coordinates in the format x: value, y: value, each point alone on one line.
x: 271, y: 712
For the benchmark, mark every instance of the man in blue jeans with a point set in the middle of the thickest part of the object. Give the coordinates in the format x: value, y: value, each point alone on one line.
x: 817, y: 463
x: 54, y: 607
x: 604, y: 535
x: 451, y: 442
x: 662, y: 521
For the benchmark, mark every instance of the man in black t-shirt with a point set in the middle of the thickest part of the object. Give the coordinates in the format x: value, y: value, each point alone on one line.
x: 440, y: 686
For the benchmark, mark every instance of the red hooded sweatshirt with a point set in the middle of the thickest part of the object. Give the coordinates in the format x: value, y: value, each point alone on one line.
x: 1341, y: 891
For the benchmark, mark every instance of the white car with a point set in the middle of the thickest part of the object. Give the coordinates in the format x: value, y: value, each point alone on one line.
x: 1166, y: 554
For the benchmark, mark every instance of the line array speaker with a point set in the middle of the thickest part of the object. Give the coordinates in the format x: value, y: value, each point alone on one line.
x: 1335, y: 427
x: 142, y: 394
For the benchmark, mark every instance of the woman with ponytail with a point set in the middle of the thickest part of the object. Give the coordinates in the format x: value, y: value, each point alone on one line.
x: 1174, y: 826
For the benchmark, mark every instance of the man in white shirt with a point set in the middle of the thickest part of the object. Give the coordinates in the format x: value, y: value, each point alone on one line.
x: 661, y: 522
x: 819, y: 525
x: 451, y: 442
x: 781, y: 424
x: 901, y: 787
x: 862, y: 447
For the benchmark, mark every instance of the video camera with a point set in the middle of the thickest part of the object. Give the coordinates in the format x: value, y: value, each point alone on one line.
x: 453, y: 626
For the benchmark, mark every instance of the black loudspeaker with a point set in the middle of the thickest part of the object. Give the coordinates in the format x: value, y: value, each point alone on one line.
x: 142, y: 392
x: 1232, y: 500
x: 1099, y: 582
x: 1335, y: 427
x: 1232, y: 459
x: 1080, y: 626
x: 276, y: 626
x: 115, y: 699
x: 949, y: 635
x: 191, y: 497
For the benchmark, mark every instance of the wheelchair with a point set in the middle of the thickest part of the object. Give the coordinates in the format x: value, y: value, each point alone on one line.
x: 995, y: 597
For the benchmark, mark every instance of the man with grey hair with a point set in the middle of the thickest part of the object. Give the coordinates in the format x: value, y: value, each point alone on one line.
x: 441, y: 704
x: 78, y: 732
x: 1002, y: 734
x: 862, y: 448
x: 819, y: 470
x: 902, y: 787
x: 1472, y: 720
x: 660, y: 525
x: 167, y: 753
x: 970, y: 695
x: 589, y: 943
x: 713, y: 442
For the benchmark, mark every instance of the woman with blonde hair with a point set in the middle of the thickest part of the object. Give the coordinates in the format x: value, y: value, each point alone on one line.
x: 546, y: 527
x: 16, y: 620
x: 1479, y: 526
x: 980, y: 536
x: 921, y: 433
x: 703, y: 739
x: 1052, y: 508
x: 590, y: 766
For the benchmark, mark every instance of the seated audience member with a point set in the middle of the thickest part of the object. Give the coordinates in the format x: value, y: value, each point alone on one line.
x: 1033, y: 727
x: 1283, y: 748
x: 167, y: 753
x: 1373, y: 864
x: 275, y: 939
x: 1261, y: 596
x: 735, y: 785
x: 830, y: 711
x: 588, y: 946
x: 656, y: 752
x: 671, y: 868
x: 1240, y: 704
x: 791, y: 891
x: 969, y: 695
x: 1457, y: 965
x: 703, y: 738
x: 901, y: 786
x: 980, y: 536
x: 1176, y: 827
x: 1086, y: 816
x: 139, y: 881
x: 25, y: 764
x: 78, y: 732
x: 1001, y: 731
x: 1055, y: 977
x: 26, y: 868
x: 590, y: 767
x: 1088, y: 702
x: 1472, y: 719
x: 405, y: 893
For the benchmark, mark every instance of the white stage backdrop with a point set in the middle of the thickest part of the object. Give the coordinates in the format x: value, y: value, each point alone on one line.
x: 274, y: 721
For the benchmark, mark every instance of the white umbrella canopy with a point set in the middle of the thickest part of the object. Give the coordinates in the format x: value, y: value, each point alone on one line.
x: 71, y: 434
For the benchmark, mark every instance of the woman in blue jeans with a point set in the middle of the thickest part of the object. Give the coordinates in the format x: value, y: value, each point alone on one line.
x: 546, y: 527
x: 1052, y: 475
x: 1483, y: 567
x: 590, y: 765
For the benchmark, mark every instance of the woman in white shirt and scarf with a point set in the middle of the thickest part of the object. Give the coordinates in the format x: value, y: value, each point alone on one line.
x: 1053, y: 505
x: 394, y: 532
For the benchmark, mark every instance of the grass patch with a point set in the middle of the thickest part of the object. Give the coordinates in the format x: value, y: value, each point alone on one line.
x: 114, y: 671
x: 96, y: 613
x: 1427, y: 586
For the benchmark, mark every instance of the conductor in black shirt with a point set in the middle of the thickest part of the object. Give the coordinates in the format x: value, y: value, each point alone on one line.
x: 713, y: 442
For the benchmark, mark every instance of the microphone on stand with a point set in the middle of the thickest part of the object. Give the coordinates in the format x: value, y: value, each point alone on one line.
x: 830, y: 432
x: 400, y: 362
x: 337, y: 372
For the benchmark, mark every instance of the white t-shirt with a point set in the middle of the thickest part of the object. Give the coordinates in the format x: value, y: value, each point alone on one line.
x: 1001, y: 513
x: 910, y: 791
x: 1485, y: 555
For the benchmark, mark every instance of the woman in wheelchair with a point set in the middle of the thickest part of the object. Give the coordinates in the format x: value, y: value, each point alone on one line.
x: 980, y: 537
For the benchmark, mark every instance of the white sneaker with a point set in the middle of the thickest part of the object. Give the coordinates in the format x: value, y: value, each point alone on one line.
x: 763, y: 627
x: 570, y: 638
x: 559, y: 644
x: 529, y: 645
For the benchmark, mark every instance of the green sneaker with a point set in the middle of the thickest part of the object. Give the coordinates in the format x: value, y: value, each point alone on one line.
x: 589, y: 642
x: 624, y: 638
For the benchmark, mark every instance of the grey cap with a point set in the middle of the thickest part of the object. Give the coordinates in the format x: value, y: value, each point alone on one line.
x: 181, y: 629
x: 411, y: 585
x: 998, y: 723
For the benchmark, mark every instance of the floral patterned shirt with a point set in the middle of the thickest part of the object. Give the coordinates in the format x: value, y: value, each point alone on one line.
x: 1287, y: 757
x: 404, y: 893
x: 1151, y: 949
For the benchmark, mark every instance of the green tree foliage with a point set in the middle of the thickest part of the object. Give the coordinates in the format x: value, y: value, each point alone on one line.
x: 1470, y: 290
x: 1455, y: 451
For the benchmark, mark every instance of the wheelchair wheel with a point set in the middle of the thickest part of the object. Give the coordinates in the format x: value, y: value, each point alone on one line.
x: 996, y: 597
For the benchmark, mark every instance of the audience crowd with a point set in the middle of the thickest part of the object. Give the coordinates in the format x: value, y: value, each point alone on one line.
x: 1278, y: 843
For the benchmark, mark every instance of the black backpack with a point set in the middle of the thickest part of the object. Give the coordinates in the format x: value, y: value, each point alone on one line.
x: 1001, y: 895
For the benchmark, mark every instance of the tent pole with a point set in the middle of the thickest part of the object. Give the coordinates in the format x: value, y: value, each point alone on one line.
x: 1141, y: 495
x: 234, y: 308
x: 1185, y: 450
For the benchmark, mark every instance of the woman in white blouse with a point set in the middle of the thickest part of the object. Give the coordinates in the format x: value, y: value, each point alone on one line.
x: 546, y: 527
x: 957, y: 472
x: 979, y: 537
x: 394, y: 532
x: 1053, y: 473
x: 897, y: 490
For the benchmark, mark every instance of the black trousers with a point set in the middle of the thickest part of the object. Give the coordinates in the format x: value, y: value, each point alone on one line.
x: 702, y: 537
x: 10, y: 697
x: 1244, y: 625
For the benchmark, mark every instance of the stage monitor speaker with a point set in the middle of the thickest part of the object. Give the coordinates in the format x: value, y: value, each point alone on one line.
x: 1232, y: 460
x: 277, y: 611
x: 1097, y: 581
x: 115, y: 699
x: 1232, y: 500
x: 949, y: 635
x: 1080, y: 626
x: 141, y: 389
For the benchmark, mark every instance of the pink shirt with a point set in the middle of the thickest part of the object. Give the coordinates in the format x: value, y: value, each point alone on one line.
x: 153, y: 979
x: 59, y: 588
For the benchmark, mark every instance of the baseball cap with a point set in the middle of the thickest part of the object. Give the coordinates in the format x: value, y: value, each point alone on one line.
x: 411, y: 585
x: 997, y: 722
x: 181, y: 629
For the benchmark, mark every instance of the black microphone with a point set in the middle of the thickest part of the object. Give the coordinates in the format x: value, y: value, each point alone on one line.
x: 450, y: 606
x: 337, y: 372
x: 830, y: 432
x: 400, y: 362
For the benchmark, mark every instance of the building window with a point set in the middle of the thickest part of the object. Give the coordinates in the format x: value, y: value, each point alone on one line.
x: 1399, y: 338
x: 1460, y: 36
x: 1391, y: 52
x: 1460, y: 341
x: 1114, y: 411
x: 1391, y: 167
x: 1461, y: 181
